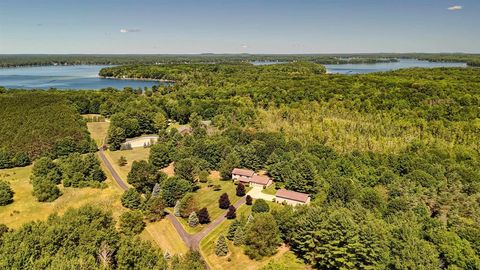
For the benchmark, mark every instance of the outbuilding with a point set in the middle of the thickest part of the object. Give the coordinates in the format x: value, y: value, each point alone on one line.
x: 291, y: 197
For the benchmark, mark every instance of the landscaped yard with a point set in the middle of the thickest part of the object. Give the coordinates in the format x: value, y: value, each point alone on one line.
x: 236, y: 259
x: 165, y: 236
x: 270, y: 190
x: 208, y: 197
x: 26, y: 208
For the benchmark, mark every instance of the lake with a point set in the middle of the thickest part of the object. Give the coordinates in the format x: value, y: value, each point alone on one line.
x: 86, y: 76
x: 63, y: 77
x: 402, y: 63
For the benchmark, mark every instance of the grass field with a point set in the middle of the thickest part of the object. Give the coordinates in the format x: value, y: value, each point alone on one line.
x: 98, y: 131
x: 270, y: 190
x: 164, y: 235
x: 26, y: 208
x: 131, y: 156
x: 236, y: 259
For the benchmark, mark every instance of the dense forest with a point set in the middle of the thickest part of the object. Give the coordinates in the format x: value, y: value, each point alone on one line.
x: 33, y: 124
x: 105, y: 59
x: 85, y: 238
x: 391, y: 160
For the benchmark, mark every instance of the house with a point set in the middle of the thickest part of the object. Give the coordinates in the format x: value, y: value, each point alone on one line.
x: 242, y: 175
x: 262, y: 181
x: 250, y: 178
x: 291, y: 197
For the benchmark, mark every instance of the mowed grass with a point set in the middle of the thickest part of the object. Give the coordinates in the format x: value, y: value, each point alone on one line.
x: 135, y: 154
x: 236, y: 259
x: 25, y: 206
x: 164, y: 235
x: 98, y: 131
x: 207, y: 197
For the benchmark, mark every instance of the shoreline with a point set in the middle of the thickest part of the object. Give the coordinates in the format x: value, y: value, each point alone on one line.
x: 137, y: 79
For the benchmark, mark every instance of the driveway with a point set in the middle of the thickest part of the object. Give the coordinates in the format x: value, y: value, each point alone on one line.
x: 257, y: 193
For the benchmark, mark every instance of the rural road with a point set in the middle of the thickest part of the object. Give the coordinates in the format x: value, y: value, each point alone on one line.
x: 191, y: 240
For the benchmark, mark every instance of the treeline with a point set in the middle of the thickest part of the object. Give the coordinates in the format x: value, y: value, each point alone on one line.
x: 35, y: 123
x: 93, y: 243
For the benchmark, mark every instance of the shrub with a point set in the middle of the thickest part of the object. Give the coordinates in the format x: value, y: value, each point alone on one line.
x: 131, y: 222
x: 248, y: 200
x: 154, y: 209
x: 131, y: 199
x: 122, y: 161
x: 240, y: 190
x: 203, y: 177
x: 203, y: 216
x: 187, y: 205
x: 6, y: 193
x: 260, y: 206
x: 231, y: 214
x: 223, y: 201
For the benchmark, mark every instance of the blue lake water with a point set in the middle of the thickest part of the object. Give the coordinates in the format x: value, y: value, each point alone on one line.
x: 378, y: 67
x: 63, y: 77
x: 86, y: 76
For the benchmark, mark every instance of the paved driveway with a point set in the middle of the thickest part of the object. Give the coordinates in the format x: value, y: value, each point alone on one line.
x: 257, y: 193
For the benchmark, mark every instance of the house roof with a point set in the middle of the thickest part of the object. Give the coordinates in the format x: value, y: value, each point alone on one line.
x: 243, y: 172
x: 260, y: 179
x: 292, y: 195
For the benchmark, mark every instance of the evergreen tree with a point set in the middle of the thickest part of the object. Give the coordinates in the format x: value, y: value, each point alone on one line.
x: 6, y: 193
x: 154, y: 208
x: 240, y: 190
x: 188, y: 204
x: 131, y: 222
x: 116, y: 136
x: 262, y: 236
x: 223, y: 201
x: 231, y: 161
x: 233, y: 228
x: 203, y: 216
x: 131, y: 199
x: 239, y: 237
x: 260, y: 206
x: 193, y: 220
x: 160, y: 155
x: 176, y: 209
x: 156, y: 190
x: 231, y: 213
x: 221, y: 247
x: 248, y: 200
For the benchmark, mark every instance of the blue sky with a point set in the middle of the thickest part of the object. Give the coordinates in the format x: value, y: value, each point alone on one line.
x: 241, y: 26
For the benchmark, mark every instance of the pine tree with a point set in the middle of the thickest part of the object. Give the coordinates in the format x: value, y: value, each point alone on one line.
x: 240, y: 190
x: 156, y: 190
x: 232, y: 229
x: 224, y: 202
x: 239, y: 237
x: 203, y: 216
x: 221, y: 248
x: 131, y: 199
x: 231, y: 214
x: 176, y: 209
x: 248, y: 200
x: 193, y: 220
x: 250, y: 218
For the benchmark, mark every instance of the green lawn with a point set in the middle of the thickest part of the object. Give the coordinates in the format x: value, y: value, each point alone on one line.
x: 236, y: 259
x: 131, y: 155
x: 270, y: 190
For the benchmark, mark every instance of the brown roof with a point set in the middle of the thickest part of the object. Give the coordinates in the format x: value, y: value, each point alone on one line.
x: 260, y: 179
x: 243, y: 172
x: 292, y: 195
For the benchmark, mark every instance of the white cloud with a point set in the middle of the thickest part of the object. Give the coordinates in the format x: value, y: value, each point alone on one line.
x: 454, y: 8
x: 244, y: 46
x: 125, y: 30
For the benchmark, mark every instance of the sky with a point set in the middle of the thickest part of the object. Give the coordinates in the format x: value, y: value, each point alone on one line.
x: 240, y: 26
